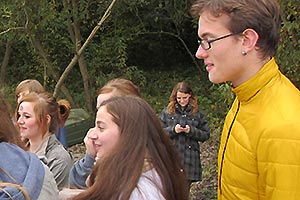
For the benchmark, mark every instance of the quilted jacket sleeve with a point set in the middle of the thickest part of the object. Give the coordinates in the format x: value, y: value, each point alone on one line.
x: 278, y: 156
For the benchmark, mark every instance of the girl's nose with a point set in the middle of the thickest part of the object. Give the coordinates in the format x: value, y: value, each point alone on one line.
x: 92, y: 134
x: 20, y: 121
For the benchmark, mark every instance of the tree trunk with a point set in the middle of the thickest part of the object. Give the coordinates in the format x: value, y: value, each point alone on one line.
x: 39, y: 48
x: 81, y: 60
x: 5, y: 62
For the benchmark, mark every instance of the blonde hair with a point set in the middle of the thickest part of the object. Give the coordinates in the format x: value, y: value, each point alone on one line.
x: 30, y: 85
x: 120, y: 86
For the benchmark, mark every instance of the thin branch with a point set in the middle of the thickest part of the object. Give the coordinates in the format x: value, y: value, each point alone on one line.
x: 77, y: 55
x: 10, y: 29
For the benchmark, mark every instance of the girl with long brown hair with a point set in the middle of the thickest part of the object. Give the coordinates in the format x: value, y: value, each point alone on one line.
x: 136, y: 159
x: 82, y: 168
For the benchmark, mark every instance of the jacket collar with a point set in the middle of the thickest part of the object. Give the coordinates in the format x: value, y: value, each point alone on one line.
x: 251, y: 87
x: 188, y: 108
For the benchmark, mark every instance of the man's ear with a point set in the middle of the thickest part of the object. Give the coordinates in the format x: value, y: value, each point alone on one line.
x: 250, y: 38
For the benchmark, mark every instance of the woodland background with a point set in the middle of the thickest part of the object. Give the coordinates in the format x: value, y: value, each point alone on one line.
x: 151, y: 43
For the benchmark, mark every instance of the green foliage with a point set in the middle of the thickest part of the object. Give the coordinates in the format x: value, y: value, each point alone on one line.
x: 139, y: 41
x: 9, y: 94
x: 289, y: 49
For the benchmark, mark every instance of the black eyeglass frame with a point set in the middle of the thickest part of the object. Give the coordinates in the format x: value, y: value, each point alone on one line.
x: 200, y: 40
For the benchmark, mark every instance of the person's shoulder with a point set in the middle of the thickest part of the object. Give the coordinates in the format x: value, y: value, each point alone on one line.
x: 56, y: 149
x: 14, y: 151
x: 149, y: 186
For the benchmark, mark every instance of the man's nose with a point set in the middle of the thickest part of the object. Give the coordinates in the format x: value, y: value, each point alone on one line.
x: 201, y: 53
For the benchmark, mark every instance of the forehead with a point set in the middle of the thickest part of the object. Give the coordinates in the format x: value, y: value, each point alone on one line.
x: 181, y: 94
x: 211, y: 25
x: 26, y: 107
x: 23, y: 92
x: 103, y: 97
x: 102, y: 114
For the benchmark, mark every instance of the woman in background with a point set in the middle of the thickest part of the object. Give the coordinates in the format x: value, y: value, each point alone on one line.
x: 27, y: 86
x: 31, y: 85
x: 186, y: 125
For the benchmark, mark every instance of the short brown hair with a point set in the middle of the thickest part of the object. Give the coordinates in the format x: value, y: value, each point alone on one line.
x: 263, y: 16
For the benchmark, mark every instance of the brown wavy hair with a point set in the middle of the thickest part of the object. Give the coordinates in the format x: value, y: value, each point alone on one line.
x: 183, y: 87
x: 116, y: 175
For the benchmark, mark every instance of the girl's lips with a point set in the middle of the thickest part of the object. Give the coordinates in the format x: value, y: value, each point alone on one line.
x: 97, y: 147
x: 22, y: 128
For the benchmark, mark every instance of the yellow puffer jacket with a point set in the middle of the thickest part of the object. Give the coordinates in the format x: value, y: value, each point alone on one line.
x: 259, y: 156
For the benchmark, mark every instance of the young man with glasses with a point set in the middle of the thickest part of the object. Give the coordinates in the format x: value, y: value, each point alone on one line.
x: 259, y: 155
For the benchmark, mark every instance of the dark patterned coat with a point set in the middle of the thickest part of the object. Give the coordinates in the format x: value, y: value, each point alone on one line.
x: 188, y: 144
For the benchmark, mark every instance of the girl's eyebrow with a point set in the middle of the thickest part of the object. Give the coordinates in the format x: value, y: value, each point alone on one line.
x: 24, y: 113
x: 99, y: 122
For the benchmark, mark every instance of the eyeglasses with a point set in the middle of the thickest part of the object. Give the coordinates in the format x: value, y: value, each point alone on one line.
x: 206, y: 44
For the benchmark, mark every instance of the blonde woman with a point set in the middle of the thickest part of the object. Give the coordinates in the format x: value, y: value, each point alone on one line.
x: 25, y: 173
x: 37, y: 117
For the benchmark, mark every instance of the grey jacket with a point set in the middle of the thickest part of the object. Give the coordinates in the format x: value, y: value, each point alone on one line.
x: 57, y: 158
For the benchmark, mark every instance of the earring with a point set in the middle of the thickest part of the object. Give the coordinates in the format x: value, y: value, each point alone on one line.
x: 244, y: 53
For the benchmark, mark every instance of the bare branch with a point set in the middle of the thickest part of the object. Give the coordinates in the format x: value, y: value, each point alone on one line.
x: 88, y: 40
x: 10, y: 29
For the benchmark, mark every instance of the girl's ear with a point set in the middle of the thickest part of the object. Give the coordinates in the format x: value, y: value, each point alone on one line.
x: 48, y: 117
